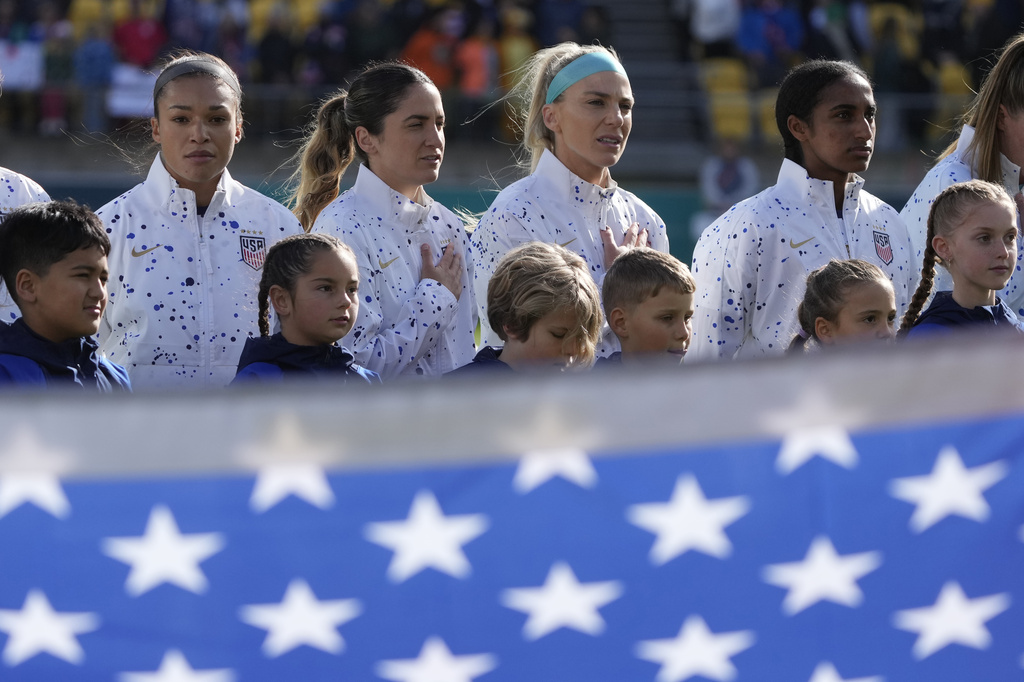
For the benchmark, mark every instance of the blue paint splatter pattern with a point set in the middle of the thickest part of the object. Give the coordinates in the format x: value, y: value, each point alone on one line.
x: 951, y: 170
x: 15, y: 190
x: 182, y: 300
x: 405, y: 326
x: 751, y: 264
x: 555, y: 206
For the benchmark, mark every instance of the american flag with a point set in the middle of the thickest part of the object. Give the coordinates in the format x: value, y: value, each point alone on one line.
x: 825, y: 555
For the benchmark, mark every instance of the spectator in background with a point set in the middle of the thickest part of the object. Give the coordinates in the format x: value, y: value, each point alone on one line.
x: 276, y: 59
x: 94, y: 64
x: 710, y: 25
x: 431, y: 48
x: 770, y: 37
x: 943, y: 28
x: 558, y: 21
x: 726, y: 178
x: 58, y: 63
x: 22, y: 63
x: 325, y: 50
x: 476, y: 63
x: 829, y: 33
x: 233, y: 44
x: 140, y: 39
x: 372, y: 37
x: 595, y: 28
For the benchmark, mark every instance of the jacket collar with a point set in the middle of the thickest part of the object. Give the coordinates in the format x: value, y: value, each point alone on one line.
x: 160, y: 189
x: 569, y: 184
x: 276, y: 350
x: 74, y: 359
x: 380, y: 196
x: 793, y: 179
x: 1011, y: 171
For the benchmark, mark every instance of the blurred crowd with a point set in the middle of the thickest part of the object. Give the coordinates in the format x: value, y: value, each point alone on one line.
x: 924, y: 56
x: 88, y: 64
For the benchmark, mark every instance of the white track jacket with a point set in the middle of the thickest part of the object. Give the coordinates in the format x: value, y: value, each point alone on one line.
x: 405, y: 325
x: 751, y: 265
x: 15, y: 190
x: 554, y: 206
x: 956, y: 168
x: 183, y: 288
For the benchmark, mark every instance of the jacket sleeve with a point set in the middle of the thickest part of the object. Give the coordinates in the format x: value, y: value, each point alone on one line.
x: 724, y: 267
x: 389, y: 346
x: 498, y: 232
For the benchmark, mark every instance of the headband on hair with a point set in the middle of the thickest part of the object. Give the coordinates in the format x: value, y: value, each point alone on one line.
x: 585, y: 65
x: 196, y: 65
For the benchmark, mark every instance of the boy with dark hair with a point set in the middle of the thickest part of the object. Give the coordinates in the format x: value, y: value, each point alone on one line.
x: 648, y: 301
x: 53, y: 261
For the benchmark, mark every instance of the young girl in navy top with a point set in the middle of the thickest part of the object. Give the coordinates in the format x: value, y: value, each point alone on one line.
x: 846, y: 301
x: 313, y: 282
x: 972, y: 232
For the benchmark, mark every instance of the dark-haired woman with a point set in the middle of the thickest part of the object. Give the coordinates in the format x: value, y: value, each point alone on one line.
x: 417, y: 312
x: 188, y: 243
x: 751, y: 265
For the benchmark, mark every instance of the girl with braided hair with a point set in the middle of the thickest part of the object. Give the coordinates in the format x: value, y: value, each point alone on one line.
x: 846, y: 301
x: 972, y: 233
x: 313, y: 283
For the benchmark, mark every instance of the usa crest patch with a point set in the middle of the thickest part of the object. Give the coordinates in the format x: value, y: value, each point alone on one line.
x: 254, y: 251
x: 882, y: 247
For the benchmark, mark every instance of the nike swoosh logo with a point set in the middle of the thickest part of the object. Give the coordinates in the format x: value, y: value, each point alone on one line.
x: 797, y: 246
x: 384, y: 265
x: 137, y: 254
x: 568, y: 242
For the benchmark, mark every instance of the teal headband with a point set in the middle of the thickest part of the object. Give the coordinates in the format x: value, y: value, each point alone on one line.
x: 585, y: 65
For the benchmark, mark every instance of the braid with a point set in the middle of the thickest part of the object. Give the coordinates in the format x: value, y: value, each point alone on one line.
x: 924, y: 289
x: 264, y: 297
x: 799, y: 341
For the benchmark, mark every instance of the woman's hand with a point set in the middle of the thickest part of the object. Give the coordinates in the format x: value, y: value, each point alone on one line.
x: 633, y: 238
x: 448, y: 272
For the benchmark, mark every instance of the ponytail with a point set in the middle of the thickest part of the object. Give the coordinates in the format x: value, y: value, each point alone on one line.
x: 323, y: 159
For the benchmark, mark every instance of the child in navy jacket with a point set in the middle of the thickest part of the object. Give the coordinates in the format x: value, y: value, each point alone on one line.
x: 53, y: 260
x: 313, y: 282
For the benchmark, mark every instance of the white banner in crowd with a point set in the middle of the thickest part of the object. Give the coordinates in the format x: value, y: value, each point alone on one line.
x: 853, y: 517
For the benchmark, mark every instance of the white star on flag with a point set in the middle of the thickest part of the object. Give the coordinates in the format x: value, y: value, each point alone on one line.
x: 696, y: 651
x: 688, y: 521
x: 37, y: 629
x: 539, y: 467
x: 301, y: 619
x: 826, y: 672
x: 562, y: 601
x: 437, y: 664
x: 305, y: 481
x: 822, y: 575
x: 427, y: 539
x: 953, y: 619
x: 164, y: 555
x: 175, y: 668
x: 949, y: 489
x: 27, y: 475
x: 828, y: 442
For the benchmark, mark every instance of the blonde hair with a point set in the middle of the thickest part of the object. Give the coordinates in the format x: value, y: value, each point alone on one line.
x: 537, y: 278
x: 330, y: 147
x: 950, y: 208
x: 1004, y: 85
x: 641, y: 273
x: 527, y: 97
x: 826, y: 292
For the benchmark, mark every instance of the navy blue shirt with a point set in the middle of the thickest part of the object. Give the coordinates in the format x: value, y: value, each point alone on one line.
x: 486, y: 361
x: 27, y: 359
x: 944, y: 313
x: 270, y: 358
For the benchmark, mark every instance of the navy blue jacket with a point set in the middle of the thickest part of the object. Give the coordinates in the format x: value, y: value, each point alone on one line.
x: 486, y: 361
x: 270, y: 358
x: 944, y: 314
x: 27, y: 359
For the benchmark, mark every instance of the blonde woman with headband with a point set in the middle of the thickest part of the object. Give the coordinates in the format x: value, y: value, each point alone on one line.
x: 991, y: 148
x: 576, y: 114
x: 187, y: 245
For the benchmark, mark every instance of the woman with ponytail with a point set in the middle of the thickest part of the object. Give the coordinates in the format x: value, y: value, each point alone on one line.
x: 418, y: 312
